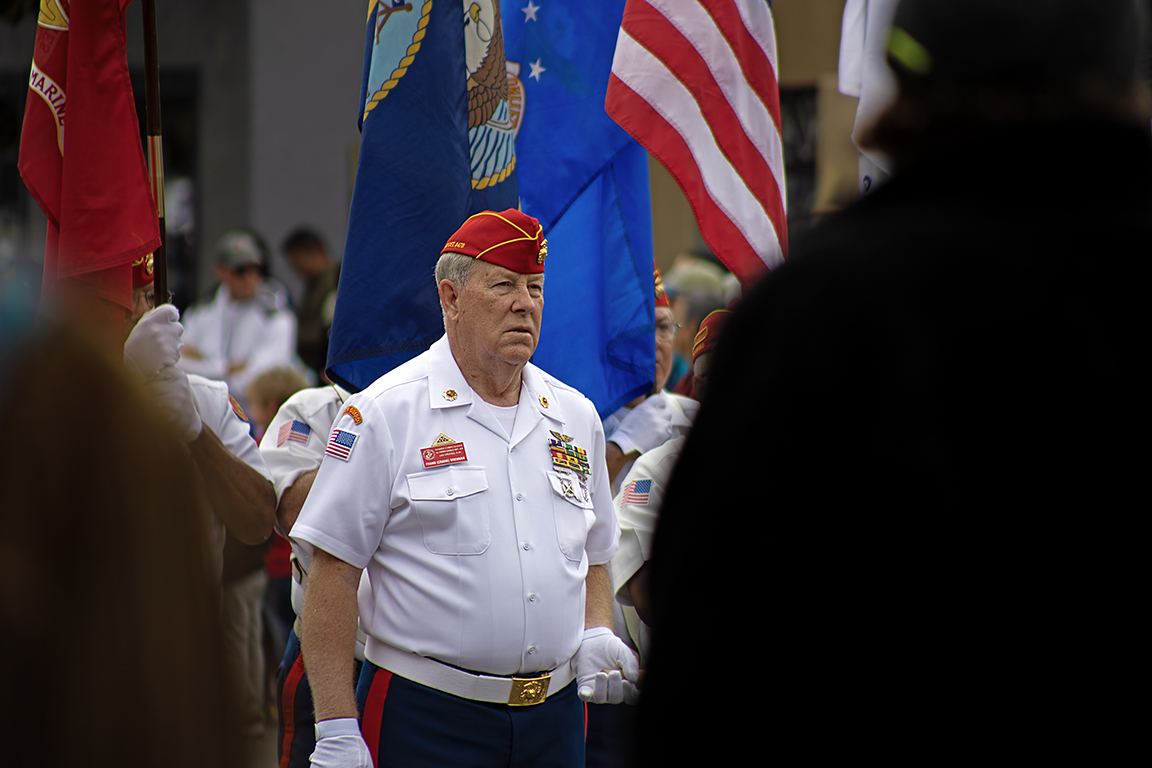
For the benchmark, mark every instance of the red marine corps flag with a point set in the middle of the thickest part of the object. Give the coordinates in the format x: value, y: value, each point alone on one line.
x: 91, y: 180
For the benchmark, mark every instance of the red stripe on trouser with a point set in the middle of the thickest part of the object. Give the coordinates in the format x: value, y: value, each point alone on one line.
x: 374, y: 711
x: 288, y: 704
x: 585, y: 722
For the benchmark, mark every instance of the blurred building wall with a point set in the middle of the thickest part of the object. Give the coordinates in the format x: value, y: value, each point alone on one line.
x: 274, y: 88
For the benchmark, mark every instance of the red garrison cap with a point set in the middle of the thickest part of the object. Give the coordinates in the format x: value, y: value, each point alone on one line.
x: 709, y: 332
x: 661, y: 294
x: 142, y: 271
x: 509, y: 239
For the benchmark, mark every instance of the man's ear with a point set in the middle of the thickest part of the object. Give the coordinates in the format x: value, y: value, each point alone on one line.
x: 449, y: 299
x: 221, y: 272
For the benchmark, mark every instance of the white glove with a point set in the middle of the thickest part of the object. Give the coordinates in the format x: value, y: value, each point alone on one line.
x: 647, y: 426
x: 155, y: 341
x: 340, y: 745
x: 173, y: 393
x: 606, y: 669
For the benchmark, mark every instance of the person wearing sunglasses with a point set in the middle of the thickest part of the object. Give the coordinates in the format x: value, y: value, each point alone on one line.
x: 247, y: 327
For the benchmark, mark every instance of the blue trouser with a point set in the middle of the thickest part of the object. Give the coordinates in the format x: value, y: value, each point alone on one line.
x: 296, y: 732
x: 410, y: 725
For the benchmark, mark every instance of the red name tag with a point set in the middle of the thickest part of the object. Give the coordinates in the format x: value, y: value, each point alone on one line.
x: 439, y: 455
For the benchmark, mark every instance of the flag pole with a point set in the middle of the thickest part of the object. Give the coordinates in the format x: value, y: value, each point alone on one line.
x: 155, y: 147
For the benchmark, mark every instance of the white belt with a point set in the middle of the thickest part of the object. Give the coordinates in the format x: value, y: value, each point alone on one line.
x: 517, y: 691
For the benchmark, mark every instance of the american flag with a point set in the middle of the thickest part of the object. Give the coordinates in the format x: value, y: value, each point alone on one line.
x: 694, y: 81
x: 637, y: 491
x: 340, y: 444
x: 294, y: 431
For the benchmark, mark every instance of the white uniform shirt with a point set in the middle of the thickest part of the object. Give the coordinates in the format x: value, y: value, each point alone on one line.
x: 864, y: 73
x: 259, y: 333
x: 294, y: 445
x: 217, y: 412
x: 682, y: 412
x: 637, y: 510
x: 295, y: 451
x: 479, y: 563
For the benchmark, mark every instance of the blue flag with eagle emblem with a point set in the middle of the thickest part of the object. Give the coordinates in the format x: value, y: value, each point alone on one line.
x: 438, y: 116
x: 586, y: 180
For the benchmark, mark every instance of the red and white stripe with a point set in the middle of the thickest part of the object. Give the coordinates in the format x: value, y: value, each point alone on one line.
x: 694, y: 82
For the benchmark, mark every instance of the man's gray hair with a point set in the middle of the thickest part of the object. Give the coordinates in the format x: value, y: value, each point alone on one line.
x: 457, y: 268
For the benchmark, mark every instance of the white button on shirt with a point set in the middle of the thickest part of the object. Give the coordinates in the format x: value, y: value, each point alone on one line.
x: 449, y: 553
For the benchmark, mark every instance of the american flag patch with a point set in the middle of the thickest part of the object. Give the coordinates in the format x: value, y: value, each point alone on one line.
x: 637, y: 491
x: 340, y: 444
x: 294, y: 431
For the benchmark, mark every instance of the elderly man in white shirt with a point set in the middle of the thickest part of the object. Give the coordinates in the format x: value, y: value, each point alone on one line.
x: 473, y: 487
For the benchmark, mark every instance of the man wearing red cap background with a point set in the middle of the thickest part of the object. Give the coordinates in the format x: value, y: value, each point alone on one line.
x: 473, y: 488
x: 650, y: 421
x: 641, y: 496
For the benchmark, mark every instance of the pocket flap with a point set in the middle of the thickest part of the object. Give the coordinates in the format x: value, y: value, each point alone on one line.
x: 568, y: 488
x: 447, y: 484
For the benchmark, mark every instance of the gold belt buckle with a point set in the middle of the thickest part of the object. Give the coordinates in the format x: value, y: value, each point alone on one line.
x: 527, y: 691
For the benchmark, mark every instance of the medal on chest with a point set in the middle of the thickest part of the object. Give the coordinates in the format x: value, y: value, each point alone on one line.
x: 568, y: 457
x: 444, y: 450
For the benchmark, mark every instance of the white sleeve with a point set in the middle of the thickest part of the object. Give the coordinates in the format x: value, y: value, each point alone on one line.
x: 350, y: 500
x: 292, y: 449
x: 637, y: 509
x: 220, y: 412
x: 851, y: 69
x: 604, y: 537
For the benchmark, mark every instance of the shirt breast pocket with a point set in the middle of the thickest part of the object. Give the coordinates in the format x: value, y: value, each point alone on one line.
x: 452, y: 507
x: 572, y: 509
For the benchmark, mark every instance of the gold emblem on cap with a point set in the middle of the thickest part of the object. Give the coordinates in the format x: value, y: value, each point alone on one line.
x: 543, y: 253
x: 543, y: 401
x: 449, y: 395
x: 147, y: 261
x: 659, y: 283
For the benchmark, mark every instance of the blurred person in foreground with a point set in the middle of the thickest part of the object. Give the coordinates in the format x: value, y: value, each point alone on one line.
x: 109, y: 617
x: 921, y: 430
x: 473, y: 488
x: 246, y: 328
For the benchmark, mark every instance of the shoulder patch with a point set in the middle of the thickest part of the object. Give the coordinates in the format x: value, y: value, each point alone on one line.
x: 354, y: 412
x: 637, y: 492
x: 294, y: 431
x: 237, y: 409
x: 340, y: 444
